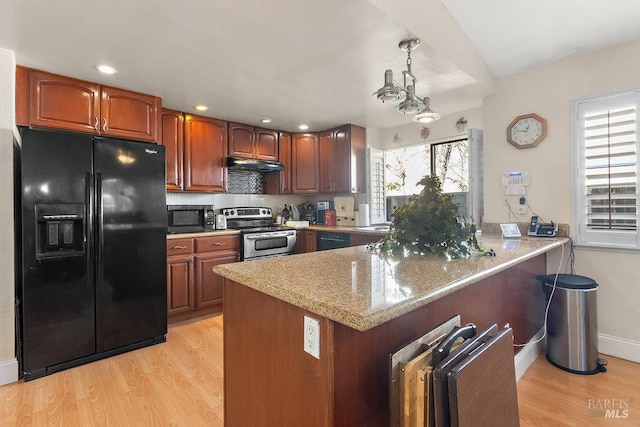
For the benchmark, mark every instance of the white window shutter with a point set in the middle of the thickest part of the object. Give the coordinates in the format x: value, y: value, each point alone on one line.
x: 376, y: 190
x: 606, y: 146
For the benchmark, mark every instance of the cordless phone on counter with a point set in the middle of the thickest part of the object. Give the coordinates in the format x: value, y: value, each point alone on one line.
x: 541, y: 230
x: 533, y: 226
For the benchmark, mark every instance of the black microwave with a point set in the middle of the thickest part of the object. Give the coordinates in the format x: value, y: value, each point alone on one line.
x: 190, y: 218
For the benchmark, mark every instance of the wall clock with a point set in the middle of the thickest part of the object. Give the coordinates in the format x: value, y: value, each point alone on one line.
x: 526, y: 131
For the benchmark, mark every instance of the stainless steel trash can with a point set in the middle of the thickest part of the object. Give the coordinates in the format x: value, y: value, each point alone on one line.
x: 572, y: 323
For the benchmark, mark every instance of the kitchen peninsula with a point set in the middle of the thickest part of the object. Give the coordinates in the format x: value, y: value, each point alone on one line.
x: 367, y: 306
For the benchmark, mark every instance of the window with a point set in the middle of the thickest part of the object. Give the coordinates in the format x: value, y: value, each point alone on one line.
x: 605, y: 158
x: 457, y: 162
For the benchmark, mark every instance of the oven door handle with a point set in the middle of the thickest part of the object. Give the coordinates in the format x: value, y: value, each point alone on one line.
x: 269, y: 235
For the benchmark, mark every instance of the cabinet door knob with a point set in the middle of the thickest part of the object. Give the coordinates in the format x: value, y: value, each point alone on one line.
x: 219, y: 244
x: 104, y: 125
x: 95, y: 126
x: 179, y: 247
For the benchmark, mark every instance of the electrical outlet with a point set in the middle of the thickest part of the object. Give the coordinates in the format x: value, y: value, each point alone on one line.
x: 312, y: 336
x: 522, y: 205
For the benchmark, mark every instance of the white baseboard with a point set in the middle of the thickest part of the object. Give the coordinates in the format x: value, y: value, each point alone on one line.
x: 528, y: 354
x: 619, y: 347
x: 8, y: 371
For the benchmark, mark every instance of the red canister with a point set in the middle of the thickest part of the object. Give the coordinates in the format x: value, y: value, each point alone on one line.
x: 330, y: 217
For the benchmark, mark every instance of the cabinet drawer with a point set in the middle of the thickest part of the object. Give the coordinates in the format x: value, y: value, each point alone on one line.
x: 218, y: 243
x: 179, y: 246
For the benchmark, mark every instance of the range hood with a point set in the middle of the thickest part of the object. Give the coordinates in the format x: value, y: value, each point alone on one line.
x: 254, y: 164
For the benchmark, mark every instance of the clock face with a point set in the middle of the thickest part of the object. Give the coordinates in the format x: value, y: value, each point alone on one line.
x: 526, y: 131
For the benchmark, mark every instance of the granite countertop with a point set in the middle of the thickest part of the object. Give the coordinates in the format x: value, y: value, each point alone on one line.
x: 203, y: 234
x: 362, y: 290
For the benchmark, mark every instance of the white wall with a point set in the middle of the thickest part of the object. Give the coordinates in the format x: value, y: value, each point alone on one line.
x: 548, y: 91
x: 8, y: 362
x: 410, y: 133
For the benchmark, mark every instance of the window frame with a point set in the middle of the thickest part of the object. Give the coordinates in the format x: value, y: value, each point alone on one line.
x: 625, y: 240
x: 475, y: 196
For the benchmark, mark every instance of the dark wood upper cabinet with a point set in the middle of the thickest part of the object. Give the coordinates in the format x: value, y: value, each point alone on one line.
x: 205, y: 151
x: 22, y: 95
x: 284, y: 153
x: 280, y: 182
x: 342, y: 160
x: 266, y: 144
x: 305, y: 163
x: 326, y: 161
x: 130, y: 115
x: 64, y: 103
x: 172, y: 137
x: 253, y: 143
x: 241, y: 138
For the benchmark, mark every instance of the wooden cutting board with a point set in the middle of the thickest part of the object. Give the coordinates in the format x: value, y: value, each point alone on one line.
x: 482, y: 387
x: 405, y: 354
x: 425, y: 385
x: 413, y: 389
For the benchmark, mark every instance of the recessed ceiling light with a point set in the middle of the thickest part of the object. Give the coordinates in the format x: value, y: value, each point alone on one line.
x: 201, y: 107
x: 303, y: 127
x: 106, y: 69
x: 266, y: 120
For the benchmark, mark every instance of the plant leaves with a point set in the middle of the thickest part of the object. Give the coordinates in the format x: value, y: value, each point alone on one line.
x: 430, y: 223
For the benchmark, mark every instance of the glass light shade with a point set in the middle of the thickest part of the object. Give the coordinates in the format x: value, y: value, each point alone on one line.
x: 411, y: 104
x: 427, y: 116
x: 390, y: 91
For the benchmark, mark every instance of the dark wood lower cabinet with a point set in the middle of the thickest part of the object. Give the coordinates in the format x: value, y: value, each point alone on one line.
x: 310, y: 243
x: 269, y: 380
x: 193, y: 289
x: 179, y: 285
x: 210, y: 285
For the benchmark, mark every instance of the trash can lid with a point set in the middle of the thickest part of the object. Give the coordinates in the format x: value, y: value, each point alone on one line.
x: 569, y: 281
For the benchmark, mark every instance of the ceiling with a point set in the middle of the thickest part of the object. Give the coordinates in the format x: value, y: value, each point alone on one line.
x: 306, y: 61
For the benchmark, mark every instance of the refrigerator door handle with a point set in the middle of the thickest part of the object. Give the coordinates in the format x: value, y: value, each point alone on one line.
x: 99, y: 244
x: 88, y: 227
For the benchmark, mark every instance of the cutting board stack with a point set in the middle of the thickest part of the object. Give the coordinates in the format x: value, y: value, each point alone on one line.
x: 455, y: 376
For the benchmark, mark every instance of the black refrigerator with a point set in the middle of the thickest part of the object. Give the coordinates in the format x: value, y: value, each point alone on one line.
x: 91, y: 248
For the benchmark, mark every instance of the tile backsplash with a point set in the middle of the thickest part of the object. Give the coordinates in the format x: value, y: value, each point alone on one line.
x: 245, y: 182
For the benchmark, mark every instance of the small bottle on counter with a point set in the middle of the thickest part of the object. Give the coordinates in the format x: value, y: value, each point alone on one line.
x: 285, y: 214
x: 279, y: 219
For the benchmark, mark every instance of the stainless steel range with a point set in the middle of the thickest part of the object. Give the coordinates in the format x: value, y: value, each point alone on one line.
x: 260, y: 237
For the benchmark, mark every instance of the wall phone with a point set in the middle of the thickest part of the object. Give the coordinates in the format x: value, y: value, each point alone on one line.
x: 538, y: 229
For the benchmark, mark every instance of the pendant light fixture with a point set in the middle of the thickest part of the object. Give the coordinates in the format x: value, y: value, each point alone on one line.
x: 391, y: 91
x: 427, y: 115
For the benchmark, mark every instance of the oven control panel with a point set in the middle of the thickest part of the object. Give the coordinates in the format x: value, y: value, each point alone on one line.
x: 239, y: 213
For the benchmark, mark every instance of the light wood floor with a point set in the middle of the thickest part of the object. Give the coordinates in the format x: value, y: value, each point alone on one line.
x: 179, y: 383
x: 549, y: 396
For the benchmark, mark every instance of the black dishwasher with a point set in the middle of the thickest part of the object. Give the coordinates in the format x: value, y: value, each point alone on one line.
x: 330, y: 240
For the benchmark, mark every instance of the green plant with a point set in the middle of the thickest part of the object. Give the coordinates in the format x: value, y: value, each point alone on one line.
x: 430, y: 223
